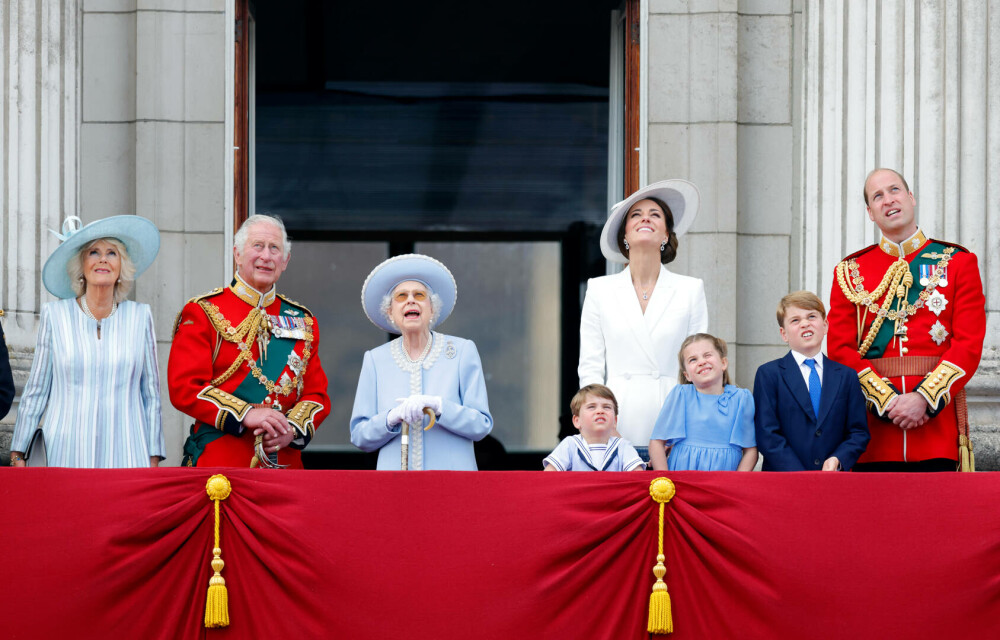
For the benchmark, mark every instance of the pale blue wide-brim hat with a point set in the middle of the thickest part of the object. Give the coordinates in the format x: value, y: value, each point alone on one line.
x: 680, y: 195
x: 411, y: 266
x: 140, y: 237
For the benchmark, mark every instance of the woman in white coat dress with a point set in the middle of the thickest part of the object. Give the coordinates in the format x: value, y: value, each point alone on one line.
x: 633, y: 322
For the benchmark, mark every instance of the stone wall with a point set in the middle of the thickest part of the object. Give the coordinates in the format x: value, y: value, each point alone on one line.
x: 911, y: 86
x: 721, y: 108
x: 128, y: 117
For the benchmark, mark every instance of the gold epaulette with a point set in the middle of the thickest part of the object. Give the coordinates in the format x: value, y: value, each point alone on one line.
x: 877, y: 391
x: 177, y: 321
x: 296, y: 304
x: 859, y: 252
x: 937, y: 384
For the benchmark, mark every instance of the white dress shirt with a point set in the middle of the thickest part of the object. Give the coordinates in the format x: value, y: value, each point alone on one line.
x: 804, y: 369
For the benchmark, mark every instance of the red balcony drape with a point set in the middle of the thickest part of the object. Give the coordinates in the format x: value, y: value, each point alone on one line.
x: 504, y: 555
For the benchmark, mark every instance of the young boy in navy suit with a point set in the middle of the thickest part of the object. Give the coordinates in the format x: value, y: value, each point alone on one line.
x: 809, y: 410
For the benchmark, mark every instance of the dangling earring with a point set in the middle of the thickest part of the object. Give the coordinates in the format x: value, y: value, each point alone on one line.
x: 663, y: 246
x: 626, y: 245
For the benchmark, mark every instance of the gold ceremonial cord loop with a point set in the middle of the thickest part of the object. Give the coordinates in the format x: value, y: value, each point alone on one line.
x: 898, y: 272
x: 883, y: 312
x: 245, y: 333
x: 855, y: 292
x: 864, y: 299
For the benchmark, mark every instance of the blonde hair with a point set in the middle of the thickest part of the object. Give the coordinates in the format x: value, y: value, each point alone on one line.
x: 598, y: 390
x: 126, y: 274
x: 803, y: 300
x: 718, y: 343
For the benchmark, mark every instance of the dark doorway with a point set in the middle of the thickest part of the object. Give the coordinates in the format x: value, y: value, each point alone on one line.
x: 476, y: 133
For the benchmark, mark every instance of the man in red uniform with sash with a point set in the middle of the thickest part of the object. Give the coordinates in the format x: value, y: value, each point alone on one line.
x: 245, y: 364
x: 909, y: 315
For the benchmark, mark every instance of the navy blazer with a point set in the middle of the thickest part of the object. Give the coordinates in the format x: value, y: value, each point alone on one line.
x: 6, y: 379
x: 788, y: 433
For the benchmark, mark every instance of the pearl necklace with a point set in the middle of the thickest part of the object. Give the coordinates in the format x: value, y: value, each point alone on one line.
x: 90, y: 314
x: 423, y: 354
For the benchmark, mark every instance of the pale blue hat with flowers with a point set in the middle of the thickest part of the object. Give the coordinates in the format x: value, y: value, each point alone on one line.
x: 412, y: 266
x: 140, y: 237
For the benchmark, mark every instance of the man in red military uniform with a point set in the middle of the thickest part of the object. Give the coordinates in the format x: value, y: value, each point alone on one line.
x: 909, y: 315
x: 245, y: 364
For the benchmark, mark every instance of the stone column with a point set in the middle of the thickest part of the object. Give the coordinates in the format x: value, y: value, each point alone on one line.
x: 720, y: 111
x: 691, y: 110
x: 906, y: 85
x: 115, y: 107
x: 179, y: 158
x: 38, y: 161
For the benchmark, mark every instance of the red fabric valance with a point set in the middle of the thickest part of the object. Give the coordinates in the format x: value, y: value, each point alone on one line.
x: 504, y: 555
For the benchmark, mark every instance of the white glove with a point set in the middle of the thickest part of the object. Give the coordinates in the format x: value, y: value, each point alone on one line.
x: 413, y: 408
x: 396, y: 414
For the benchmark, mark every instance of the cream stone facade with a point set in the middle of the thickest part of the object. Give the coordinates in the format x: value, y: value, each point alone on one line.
x: 776, y: 109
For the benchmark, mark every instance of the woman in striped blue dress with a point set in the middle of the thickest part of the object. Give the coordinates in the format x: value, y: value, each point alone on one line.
x: 94, y: 376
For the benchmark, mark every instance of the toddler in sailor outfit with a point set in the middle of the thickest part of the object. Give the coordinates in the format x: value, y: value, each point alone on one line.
x: 596, y: 447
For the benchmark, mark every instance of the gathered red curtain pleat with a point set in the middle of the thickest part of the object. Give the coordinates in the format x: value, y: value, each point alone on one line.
x: 504, y: 555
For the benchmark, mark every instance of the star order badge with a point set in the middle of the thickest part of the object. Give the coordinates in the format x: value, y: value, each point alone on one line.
x: 936, y: 303
x: 938, y: 333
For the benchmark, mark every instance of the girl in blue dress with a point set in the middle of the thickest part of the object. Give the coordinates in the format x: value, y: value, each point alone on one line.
x: 707, y: 421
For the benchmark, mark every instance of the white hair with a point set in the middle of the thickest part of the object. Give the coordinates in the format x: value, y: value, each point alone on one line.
x: 386, y: 308
x: 240, y: 239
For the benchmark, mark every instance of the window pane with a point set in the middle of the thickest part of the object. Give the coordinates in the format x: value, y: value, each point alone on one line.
x: 326, y: 277
x: 508, y: 304
x: 384, y: 156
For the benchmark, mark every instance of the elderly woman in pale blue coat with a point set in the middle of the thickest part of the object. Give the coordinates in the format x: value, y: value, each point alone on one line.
x: 94, y: 376
x: 422, y: 369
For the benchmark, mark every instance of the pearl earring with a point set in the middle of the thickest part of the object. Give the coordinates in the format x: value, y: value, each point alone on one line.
x: 663, y: 246
x: 626, y: 245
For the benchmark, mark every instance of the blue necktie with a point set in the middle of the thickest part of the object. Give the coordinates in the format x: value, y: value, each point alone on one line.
x: 815, y: 386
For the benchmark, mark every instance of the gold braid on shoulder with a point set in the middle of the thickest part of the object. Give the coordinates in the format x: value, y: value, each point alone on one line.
x: 243, y: 336
x: 897, y: 280
x: 856, y: 293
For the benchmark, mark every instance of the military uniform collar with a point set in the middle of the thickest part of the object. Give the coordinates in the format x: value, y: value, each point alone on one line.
x: 904, y: 248
x: 251, y: 296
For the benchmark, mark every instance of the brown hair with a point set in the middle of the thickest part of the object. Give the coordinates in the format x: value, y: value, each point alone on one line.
x: 802, y: 300
x: 598, y: 390
x: 718, y: 343
x: 670, y: 251
x: 864, y: 189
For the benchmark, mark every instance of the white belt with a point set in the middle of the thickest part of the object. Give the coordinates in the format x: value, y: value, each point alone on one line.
x: 655, y: 375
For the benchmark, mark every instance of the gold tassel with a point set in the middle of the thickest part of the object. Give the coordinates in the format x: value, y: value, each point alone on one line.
x: 967, y: 459
x: 660, y: 616
x: 217, y: 603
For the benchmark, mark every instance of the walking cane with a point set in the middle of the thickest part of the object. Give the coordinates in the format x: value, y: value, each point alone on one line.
x: 404, y: 446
